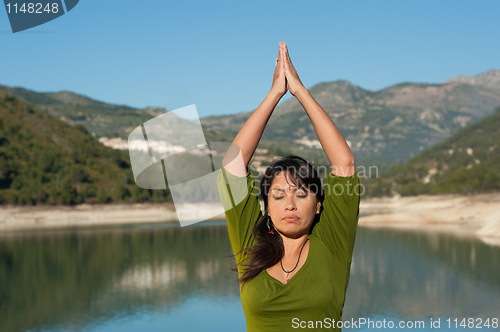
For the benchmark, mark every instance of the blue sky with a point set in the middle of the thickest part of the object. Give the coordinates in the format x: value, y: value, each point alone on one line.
x: 220, y: 55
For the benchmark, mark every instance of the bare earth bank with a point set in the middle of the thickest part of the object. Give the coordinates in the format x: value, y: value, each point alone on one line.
x: 474, y: 215
x: 43, y: 217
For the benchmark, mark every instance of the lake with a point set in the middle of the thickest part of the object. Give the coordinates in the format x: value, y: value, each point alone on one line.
x: 165, y: 278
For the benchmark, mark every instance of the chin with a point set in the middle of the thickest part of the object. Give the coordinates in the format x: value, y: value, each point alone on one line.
x: 293, y: 231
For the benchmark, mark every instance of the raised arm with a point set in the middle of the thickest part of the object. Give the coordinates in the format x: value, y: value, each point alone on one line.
x: 245, y: 143
x: 337, y: 151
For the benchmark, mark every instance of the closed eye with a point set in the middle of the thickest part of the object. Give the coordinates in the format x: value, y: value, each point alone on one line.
x: 302, y: 194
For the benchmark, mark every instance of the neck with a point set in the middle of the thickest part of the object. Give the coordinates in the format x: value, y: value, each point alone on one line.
x: 293, y: 245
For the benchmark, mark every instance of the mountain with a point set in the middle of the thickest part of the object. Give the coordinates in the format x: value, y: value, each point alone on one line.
x: 46, y: 161
x: 99, y: 118
x: 386, y: 126
x: 383, y: 127
x: 466, y: 162
x: 489, y: 79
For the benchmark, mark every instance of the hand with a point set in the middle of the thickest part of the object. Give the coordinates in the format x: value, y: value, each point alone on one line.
x: 279, y: 80
x: 292, y: 78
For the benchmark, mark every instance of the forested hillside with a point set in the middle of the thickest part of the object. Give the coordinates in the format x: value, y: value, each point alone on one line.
x: 97, y: 117
x: 383, y: 127
x: 48, y: 156
x: 46, y: 161
x: 466, y: 162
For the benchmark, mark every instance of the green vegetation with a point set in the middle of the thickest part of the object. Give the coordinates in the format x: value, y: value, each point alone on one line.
x: 466, y: 162
x: 46, y: 161
x: 384, y: 128
x: 99, y: 118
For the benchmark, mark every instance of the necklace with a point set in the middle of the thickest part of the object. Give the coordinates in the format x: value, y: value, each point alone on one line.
x: 288, y: 272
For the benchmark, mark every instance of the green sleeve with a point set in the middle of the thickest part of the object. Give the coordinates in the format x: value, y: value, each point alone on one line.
x: 339, y: 218
x: 239, y: 196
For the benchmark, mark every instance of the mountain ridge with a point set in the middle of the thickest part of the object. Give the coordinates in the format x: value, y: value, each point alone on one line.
x: 490, y: 78
x: 384, y: 127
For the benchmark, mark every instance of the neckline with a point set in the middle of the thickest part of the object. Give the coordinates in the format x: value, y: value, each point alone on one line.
x: 295, y: 275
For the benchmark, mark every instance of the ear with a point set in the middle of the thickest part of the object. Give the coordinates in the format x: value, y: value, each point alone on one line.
x: 318, y: 206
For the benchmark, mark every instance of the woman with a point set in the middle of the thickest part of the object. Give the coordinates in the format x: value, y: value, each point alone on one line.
x: 294, y: 258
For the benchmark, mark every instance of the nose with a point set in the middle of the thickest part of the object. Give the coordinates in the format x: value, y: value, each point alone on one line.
x: 290, y: 203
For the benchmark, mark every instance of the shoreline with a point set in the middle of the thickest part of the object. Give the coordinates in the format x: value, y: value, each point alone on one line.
x: 474, y: 215
x: 28, y: 218
x: 470, y: 216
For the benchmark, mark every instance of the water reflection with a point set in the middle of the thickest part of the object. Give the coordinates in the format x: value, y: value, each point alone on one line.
x: 412, y: 274
x: 129, y: 278
x: 74, y: 278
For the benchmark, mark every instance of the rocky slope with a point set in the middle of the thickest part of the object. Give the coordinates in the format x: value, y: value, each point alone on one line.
x: 383, y: 127
x: 389, y: 125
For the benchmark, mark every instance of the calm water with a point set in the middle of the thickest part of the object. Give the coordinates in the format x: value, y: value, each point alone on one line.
x: 165, y: 278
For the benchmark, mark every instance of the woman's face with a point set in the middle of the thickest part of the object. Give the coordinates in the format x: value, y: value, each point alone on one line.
x: 291, y: 209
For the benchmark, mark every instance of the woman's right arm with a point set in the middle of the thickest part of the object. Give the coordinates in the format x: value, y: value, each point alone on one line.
x: 245, y: 143
x: 238, y: 191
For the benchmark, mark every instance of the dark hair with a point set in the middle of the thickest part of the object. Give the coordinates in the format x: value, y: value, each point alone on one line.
x: 269, y: 249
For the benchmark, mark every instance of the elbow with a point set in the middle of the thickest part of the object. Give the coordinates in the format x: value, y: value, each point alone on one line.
x: 349, y: 166
x: 349, y: 160
x: 345, y: 167
x: 351, y: 163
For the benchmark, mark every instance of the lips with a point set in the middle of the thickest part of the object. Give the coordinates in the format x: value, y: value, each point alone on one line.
x: 291, y: 217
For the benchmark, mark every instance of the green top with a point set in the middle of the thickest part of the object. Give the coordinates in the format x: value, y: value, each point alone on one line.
x: 317, y: 291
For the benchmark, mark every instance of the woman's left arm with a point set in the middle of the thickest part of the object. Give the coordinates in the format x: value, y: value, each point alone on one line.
x: 338, y: 152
